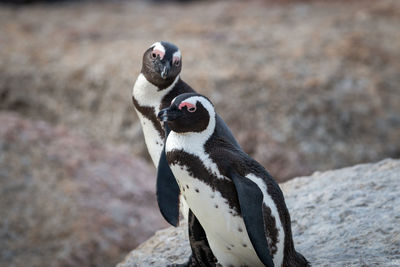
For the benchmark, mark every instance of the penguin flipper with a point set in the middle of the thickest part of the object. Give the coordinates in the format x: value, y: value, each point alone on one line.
x: 251, y: 200
x: 167, y: 189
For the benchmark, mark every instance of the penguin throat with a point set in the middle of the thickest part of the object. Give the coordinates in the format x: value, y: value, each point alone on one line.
x: 147, y: 94
x: 155, y: 79
x: 192, y: 142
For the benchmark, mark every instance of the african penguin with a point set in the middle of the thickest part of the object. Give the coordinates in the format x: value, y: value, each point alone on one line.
x: 158, y: 83
x: 239, y: 205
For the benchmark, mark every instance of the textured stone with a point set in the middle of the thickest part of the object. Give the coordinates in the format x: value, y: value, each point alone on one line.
x: 65, y: 201
x: 345, y: 217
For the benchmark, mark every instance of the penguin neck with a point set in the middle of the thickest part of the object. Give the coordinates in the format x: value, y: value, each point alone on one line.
x: 147, y: 94
x: 191, y: 142
x: 194, y: 143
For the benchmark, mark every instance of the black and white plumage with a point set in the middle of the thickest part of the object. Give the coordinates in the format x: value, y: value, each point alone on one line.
x: 236, y: 201
x: 156, y: 86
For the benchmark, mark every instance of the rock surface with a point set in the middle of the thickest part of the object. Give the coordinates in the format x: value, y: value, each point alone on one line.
x: 65, y: 201
x: 346, y: 217
x: 305, y: 86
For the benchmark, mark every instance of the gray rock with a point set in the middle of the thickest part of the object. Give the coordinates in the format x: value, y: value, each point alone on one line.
x: 346, y: 217
x: 167, y: 246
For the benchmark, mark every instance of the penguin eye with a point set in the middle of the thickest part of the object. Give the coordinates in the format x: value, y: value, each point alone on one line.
x: 157, y: 53
x: 189, y: 106
x: 191, y: 109
x: 176, y: 61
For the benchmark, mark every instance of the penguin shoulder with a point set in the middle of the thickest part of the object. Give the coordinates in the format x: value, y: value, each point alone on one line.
x: 226, y: 155
x: 229, y: 157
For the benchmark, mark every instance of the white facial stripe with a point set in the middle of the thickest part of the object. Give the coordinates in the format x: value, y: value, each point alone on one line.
x: 158, y: 46
x: 177, y: 54
x: 173, y: 100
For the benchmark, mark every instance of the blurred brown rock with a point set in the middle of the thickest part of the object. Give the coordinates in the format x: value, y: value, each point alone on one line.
x: 65, y: 201
x: 308, y: 85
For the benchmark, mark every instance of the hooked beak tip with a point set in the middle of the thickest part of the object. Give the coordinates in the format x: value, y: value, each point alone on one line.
x: 164, y: 73
x: 163, y: 115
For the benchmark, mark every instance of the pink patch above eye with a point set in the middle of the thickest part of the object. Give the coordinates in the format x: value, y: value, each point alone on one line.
x: 159, y: 53
x: 175, y: 59
x: 187, y: 105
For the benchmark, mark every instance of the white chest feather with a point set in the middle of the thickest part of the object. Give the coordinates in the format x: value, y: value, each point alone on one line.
x: 193, y: 143
x: 225, y: 230
x: 152, y: 138
x: 148, y: 95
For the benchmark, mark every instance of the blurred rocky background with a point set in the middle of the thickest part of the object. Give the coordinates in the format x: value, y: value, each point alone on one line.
x: 304, y: 85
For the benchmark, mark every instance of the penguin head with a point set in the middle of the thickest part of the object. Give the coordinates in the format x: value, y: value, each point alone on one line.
x: 162, y: 62
x: 189, y: 112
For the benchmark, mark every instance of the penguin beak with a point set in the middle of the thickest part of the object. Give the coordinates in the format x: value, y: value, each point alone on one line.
x: 165, y: 70
x: 163, y: 115
x: 168, y: 114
